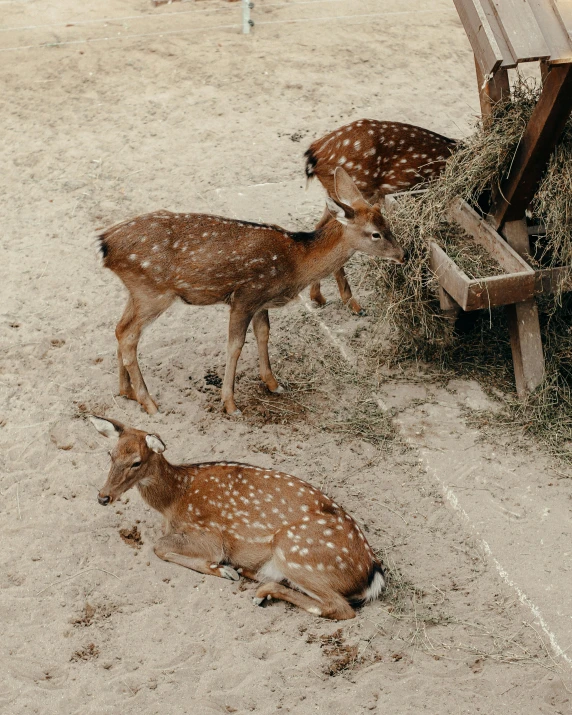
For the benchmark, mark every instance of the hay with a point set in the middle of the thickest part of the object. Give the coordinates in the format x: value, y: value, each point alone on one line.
x: 479, y: 344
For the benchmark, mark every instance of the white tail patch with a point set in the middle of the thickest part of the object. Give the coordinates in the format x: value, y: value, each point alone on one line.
x: 375, y: 589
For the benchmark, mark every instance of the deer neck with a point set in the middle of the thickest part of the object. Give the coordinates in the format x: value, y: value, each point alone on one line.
x: 162, y: 484
x: 327, y: 252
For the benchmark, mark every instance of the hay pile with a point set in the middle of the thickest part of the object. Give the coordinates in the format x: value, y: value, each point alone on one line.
x: 478, y: 344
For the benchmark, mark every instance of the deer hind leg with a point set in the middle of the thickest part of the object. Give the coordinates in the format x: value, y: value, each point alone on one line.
x: 346, y: 292
x: 330, y: 605
x: 237, y: 327
x: 203, y: 554
x: 139, y: 312
x: 261, y: 327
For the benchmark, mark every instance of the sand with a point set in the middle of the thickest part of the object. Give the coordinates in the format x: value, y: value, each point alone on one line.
x: 114, y: 108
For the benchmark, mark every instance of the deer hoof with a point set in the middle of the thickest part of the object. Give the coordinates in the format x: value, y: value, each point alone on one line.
x: 229, y: 572
x: 278, y: 391
x: 150, y: 408
x: 259, y: 601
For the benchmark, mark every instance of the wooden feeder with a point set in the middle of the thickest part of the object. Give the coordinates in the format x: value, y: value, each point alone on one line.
x: 504, y: 33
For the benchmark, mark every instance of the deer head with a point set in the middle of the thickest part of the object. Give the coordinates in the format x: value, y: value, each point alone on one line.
x: 131, y: 458
x: 365, y: 226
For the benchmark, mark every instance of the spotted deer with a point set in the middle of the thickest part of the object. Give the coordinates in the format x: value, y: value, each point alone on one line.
x: 226, y: 519
x: 382, y: 158
x: 205, y: 259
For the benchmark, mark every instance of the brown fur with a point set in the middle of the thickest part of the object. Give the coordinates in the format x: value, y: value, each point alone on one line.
x: 382, y: 158
x: 224, y: 519
x: 205, y: 259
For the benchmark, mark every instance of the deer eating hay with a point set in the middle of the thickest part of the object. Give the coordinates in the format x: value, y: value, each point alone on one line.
x: 382, y: 158
x: 226, y: 519
x: 205, y: 259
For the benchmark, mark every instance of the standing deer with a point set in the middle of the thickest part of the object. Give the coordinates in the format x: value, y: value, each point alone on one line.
x: 227, y: 519
x: 382, y: 158
x: 252, y: 267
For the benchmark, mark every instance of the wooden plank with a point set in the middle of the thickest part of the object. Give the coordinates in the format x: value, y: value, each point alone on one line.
x: 523, y: 323
x: 553, y: 30
x: 483, y: 234
x: 499, y: 290
x: 449, y: 275
x: 521, y: 30
x: 483, y: 42
x: 538, y: 141
x: 552, y: 280
x: 509, y: 60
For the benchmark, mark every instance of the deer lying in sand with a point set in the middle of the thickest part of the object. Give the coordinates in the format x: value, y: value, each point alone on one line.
x: 226, y: 519
x: 205, y: 259
x: 382, y: 158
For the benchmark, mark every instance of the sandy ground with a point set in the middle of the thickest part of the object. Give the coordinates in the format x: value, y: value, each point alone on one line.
x: 173, y: 108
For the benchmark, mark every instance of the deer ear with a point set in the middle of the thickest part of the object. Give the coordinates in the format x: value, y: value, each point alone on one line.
x: 336, y: 211
x: 155, y: 443
x: 345, y: 188
x: 108, y: 428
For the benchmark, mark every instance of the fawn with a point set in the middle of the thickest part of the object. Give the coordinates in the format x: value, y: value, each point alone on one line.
x: 382, y: 158
x: 227, y: 519
x: 205, y: 259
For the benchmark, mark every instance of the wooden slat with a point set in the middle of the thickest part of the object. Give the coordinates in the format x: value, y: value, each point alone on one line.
x: 485, y: 47
x: 483, y: 234
x: 539, y: 139
x: 449, y: 275
x: 565, y: 10
x: 509, y: 60
x: 492, y: 90
x: 499, y: 290
x: 521, y: 30
x: 553, y: 30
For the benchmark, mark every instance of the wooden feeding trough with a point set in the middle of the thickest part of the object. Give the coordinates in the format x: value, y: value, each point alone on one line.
x: 503, y: 34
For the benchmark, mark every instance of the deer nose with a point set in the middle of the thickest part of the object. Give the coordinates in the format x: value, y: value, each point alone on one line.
x: 104, y: 501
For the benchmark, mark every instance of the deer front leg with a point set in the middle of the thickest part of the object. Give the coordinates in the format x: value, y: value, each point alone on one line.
x: 202, y: 554
x: 346, y: 292
x: 261, y: 327
x: 237, y: 327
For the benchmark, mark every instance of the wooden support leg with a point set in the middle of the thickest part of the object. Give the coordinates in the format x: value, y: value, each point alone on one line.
x: 523, y: 323
x: 493, y: 90
x: 448, y: 305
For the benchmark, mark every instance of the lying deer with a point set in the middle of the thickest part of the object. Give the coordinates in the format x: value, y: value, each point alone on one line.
x: 382, y: 158
x: 227, y: 520
x: 252, y: 267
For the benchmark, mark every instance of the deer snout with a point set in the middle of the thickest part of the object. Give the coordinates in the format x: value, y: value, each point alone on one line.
x: 103, y: 500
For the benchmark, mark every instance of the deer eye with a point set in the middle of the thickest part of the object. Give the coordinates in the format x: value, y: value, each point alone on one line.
x: 136, y: 464
x: 375, y: 236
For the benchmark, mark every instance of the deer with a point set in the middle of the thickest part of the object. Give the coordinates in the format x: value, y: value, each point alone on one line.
x: 229, y: 520
x: 204, y: 259
x: 382, y: 158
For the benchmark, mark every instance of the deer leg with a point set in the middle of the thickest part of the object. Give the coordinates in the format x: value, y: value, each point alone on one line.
x: 346, y: 292
x: 137, y: 315
x: 261, y: 327
x: 315, y: 291
x: 331, y: 606
x: 237, y: 327
x: 202, y: 554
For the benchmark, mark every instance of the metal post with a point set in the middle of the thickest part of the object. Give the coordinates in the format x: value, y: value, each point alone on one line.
x: 247, y: 23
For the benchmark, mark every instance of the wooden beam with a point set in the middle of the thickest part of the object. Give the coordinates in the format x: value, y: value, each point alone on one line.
x: 540, y: 137
x: 523, y: 324
x: 508, y: 59
x: 485, y: 47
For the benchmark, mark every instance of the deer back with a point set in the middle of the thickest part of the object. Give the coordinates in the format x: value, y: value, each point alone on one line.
x: 381, y: 157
